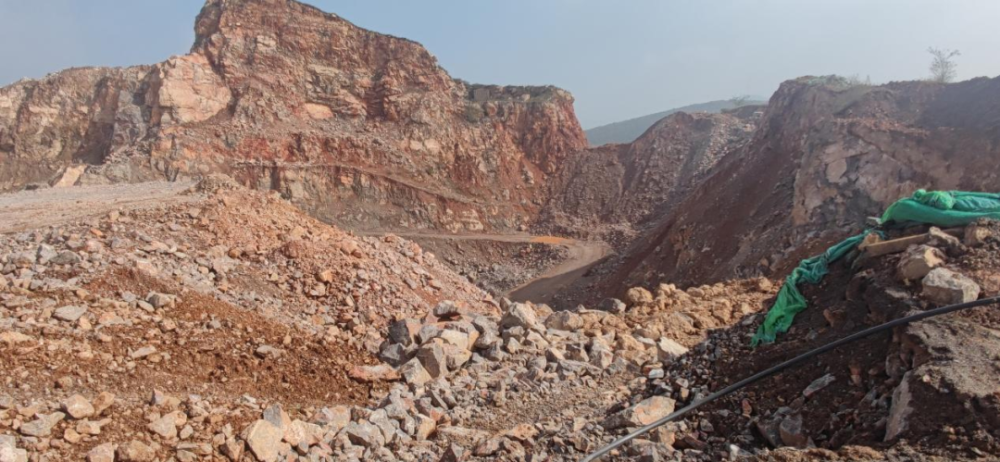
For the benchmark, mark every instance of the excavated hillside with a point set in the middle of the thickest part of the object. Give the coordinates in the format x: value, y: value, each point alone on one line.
x: 351, y: 125
x: 627, y: 185
x: 179, y: 292
x: 209, y: 322
x: 824, y: 156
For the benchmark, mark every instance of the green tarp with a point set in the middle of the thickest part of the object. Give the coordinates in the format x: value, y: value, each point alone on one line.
x: 938, y: 208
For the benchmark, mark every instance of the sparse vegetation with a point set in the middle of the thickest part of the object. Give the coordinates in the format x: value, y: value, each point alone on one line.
x: 739, y: 101
x: 855, y: 81
x: 943, y: 66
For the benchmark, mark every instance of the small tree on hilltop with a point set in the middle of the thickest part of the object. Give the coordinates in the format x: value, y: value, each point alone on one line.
x: 943, y: 67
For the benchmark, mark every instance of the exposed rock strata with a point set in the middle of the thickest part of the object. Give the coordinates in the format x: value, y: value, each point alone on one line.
x: 349, y: 124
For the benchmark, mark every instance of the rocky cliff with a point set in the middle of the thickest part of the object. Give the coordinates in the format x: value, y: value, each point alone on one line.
x: 825, y: 156
x: 349, y: 124
x: 631, y: 184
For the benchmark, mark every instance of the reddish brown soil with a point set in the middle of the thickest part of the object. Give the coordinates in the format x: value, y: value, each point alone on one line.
x: 222, y: 361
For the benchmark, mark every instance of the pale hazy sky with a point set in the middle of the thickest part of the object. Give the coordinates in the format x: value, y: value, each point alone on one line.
x: 620, y: 58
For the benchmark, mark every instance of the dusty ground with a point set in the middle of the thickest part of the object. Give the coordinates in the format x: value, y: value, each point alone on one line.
x: 495, y: 266
x: 522, y: 267
x: 227, y: 325
x: 53, y: 206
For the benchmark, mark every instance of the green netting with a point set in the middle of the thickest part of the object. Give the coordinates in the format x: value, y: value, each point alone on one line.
x: 944, y: 208
x: 938, y: 208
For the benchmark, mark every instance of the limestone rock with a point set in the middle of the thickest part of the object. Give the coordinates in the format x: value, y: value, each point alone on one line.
x: 791, y: 432
x: 9, y: 452
x: 643, y: 413
x: 13, y: 338
x: 78, y: 407
x: 668, y: 350
x: 977, y: 235
x: 102, y: 453
x: 136, y: 451
x: 264, y: 440
x: 564, y: 320
x: 69, y: 313
x: 414, y: 373
x: 364, y: 434
x: 432, y: 357
x: 42, y: 426
x: 918, y: 261
x: 817, y: 385
x: 103, y: 402
x: 167, y: 425
x: 520, y: 315
x: 403, y: 331
x: 638, y: 296
x: 945, y: 287
x: 371, y: 374
x: 189, y: 91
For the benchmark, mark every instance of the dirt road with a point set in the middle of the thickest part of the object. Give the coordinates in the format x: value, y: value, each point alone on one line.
x: 54, y: 206
x: 582, y: 256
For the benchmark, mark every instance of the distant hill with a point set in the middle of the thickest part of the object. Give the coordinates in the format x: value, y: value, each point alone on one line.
x: 629, y: 130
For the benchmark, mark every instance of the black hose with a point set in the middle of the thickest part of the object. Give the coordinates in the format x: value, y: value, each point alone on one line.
x: 785, y: 365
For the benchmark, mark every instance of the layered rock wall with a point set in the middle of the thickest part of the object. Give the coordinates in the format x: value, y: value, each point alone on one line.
x: 641, y: 181
x: 350, y: 124
x: 825, y: 156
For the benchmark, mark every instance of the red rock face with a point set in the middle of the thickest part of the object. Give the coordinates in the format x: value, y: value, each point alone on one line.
x: 351, y: 125
x: 825, y: 157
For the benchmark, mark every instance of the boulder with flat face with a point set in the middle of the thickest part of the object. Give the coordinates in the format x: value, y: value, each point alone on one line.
x: 520, y: 315
x: 945, y: 287
x: 9, y: 452
x: 264, y: 440
x: 646, y: 412
x: 918, y: 261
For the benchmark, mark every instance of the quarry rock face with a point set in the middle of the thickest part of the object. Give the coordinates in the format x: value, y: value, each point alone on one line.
x: 824, y: 156
x: 641, y: 181
x: 346, y: 123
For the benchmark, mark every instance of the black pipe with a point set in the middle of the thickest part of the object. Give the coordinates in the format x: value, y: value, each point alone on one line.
x: 785, y: 365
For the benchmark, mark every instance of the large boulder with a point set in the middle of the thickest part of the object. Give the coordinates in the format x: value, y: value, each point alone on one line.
x: 918, y: 261
x: 264, y: 439
x: 945, y: 287
x: 565, y: 321
x: 646, y: 412
x: 977, y: 234
x: 520, y: 315
x: 668, y: 350
x: 638, y: 296
x: 9, y: 452
x: 432, y: 357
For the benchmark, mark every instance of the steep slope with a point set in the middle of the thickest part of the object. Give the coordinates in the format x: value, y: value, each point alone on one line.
x: 349, y: 124
x: 630, y: 184
x: 630, y: 130
x: 825, y: 156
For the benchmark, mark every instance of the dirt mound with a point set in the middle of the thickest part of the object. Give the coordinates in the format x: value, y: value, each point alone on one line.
x: 926, y: 390
x: 216, y: 306
x: 232, y: 326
